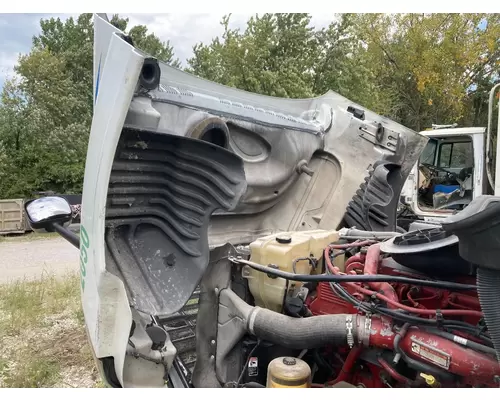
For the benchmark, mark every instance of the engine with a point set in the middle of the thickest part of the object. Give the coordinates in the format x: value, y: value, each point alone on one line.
x: 408, y: 309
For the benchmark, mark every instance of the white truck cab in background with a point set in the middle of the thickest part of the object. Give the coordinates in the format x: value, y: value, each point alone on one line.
x: 454, y: 168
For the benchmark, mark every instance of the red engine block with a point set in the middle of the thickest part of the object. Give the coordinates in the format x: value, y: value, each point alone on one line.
x: 474, y: 371
x: 425, y: 298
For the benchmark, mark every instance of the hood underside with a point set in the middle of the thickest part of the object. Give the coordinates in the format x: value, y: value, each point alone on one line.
x: 199, y: 165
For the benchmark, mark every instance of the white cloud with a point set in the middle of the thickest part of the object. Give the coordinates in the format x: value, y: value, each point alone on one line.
x: 7, y: 62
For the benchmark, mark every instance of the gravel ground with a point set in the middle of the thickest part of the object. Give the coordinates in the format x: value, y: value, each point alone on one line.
x: 30, y: 259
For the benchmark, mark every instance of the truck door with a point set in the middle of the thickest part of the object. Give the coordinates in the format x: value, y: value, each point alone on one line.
x: 446, y: 171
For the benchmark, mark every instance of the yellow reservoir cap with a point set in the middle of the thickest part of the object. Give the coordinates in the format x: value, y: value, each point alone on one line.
x: 288, y: 372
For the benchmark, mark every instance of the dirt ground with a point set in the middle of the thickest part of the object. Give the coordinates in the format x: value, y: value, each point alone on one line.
x: 31, y: 256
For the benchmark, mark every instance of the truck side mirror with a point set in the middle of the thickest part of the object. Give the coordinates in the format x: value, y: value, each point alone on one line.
x: 45, y: 212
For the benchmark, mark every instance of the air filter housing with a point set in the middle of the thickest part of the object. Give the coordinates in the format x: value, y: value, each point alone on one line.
x: 432, y: 251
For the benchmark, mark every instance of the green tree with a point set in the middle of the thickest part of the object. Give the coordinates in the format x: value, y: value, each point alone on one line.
x: 45, y: 114
x: 272, y: 56
x: 148, y: 42
x: 341, y: 64
x: 283, y: 55
x: 418, y: 69
x: 429, y: 66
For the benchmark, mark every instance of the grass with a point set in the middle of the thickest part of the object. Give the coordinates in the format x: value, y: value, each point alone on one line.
x: 36, y: 372
x: 42, y: 335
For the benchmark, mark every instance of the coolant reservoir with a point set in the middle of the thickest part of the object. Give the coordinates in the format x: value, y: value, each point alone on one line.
x: 288, y: 372
x: 281, y: 250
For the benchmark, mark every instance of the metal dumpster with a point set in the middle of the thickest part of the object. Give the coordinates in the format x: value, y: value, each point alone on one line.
x: 12, y: 218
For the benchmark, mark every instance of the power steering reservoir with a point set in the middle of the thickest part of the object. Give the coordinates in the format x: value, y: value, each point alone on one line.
x: 288, y: 372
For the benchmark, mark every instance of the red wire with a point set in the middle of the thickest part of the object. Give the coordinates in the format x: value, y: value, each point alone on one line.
x: 380, y: 296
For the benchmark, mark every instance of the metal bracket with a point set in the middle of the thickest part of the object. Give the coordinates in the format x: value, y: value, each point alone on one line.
x: 380, y: 136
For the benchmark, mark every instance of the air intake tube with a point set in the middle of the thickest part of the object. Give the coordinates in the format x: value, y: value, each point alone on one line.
x: 478, y: 231
x: 488, y: 287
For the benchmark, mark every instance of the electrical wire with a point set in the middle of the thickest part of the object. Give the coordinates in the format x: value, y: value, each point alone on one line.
x: 368, y: 292
x: 283, y: 301
x: 240, y: 378
x: 463, y: 342
x: 402, y: 317
x: 311, y: 260
x: 357, y: 243
x: 352, y: 278
x: 373, y: 308
x: 473, y: 330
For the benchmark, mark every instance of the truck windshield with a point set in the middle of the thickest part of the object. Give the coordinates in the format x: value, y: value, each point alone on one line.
x: 429, y: 154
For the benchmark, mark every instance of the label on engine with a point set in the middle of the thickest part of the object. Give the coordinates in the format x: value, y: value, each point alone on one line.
x: 253, y: 366
x: 431, y: 354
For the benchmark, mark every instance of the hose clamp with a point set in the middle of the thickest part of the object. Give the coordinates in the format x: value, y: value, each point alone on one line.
x: 364, y: 339
x: 349, y: 327
x: 251, y: 320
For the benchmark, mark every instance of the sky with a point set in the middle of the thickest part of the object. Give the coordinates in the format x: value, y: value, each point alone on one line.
x: 183, y: 30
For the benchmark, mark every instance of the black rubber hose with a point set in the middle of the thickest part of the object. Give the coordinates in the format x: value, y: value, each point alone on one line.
x: 352, y: 278
x: 304, y: 333
x: 400, y: 316
x: 462, y: 341
x: 488, y: 289
x: 360, y: 234
x: 474, y: 331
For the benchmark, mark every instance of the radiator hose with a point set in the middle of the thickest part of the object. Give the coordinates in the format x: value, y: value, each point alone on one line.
x: 297, y: 333
x: 304, y: 333
x: 488, y: 288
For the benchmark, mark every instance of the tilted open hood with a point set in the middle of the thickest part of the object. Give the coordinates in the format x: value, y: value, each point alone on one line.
x: 178, y: 165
